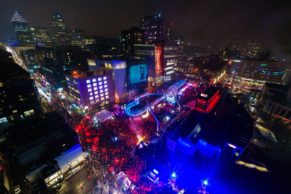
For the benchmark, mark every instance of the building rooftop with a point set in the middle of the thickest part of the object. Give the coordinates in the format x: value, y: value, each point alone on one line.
x: 233, y: 125
x: 86, y: 74
x: 208, y: 93
x: 32, y: 130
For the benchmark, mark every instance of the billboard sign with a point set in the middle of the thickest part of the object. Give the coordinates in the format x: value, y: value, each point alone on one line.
x: 138, y: 73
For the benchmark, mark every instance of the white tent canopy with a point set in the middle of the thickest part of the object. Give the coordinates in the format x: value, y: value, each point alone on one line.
x: 104, y: 115
x: 70, y: 158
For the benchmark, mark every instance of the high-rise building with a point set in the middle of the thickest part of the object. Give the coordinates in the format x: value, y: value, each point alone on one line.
x: 155, y: 28
x: 146, y: 52
x: 91, y: 88
x: 130, y: 37
x: 41, y: 36
x: 60, y: 32
x: 22, y: 30
x: 104, y: 48
x: 72, y: 58
x: 163, y: 58
x: 18, y: 98
x: 172, y: 57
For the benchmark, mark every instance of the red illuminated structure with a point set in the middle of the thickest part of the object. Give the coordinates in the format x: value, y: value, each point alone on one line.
x: 159, y: 59
x: 207, y: 99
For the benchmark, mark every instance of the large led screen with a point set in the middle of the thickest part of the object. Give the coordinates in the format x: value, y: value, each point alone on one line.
x: 138, y: 73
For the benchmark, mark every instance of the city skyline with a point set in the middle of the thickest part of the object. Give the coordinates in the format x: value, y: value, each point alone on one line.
x: 193, y: 20
x: 127, y: 97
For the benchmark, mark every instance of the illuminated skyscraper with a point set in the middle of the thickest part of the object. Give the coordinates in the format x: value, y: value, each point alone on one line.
x: 21, y: 28
x: 155, y: 28
x: 60, y: 32
x: 129, y: 38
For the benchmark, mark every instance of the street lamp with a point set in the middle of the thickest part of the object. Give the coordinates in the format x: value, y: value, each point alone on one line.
x: 173, y: 175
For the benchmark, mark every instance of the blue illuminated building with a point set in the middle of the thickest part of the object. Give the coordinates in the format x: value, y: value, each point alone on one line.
x: 118, y: 68
x: 21, y: 29
x: 91, y: 88
x: 200, y: 133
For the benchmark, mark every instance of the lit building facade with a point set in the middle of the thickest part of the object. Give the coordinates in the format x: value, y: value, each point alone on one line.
x: 22, y: 30
x: 152, y: 53
x: 60, y: 32
x: 252, y: 74
x: 172, y: 57
x: 91, y: 88
x: 155, y: 28
x: 80, y: 39
x: 164, y: 57
x: 41, y: 36
x: 119, y: 75
x: 106, y: 48
x: 130, y: 37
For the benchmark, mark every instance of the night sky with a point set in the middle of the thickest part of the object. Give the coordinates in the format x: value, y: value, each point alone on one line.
x: 203, y: 20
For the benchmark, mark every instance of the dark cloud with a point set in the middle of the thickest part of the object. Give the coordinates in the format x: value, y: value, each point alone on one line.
x: 204, y: 20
